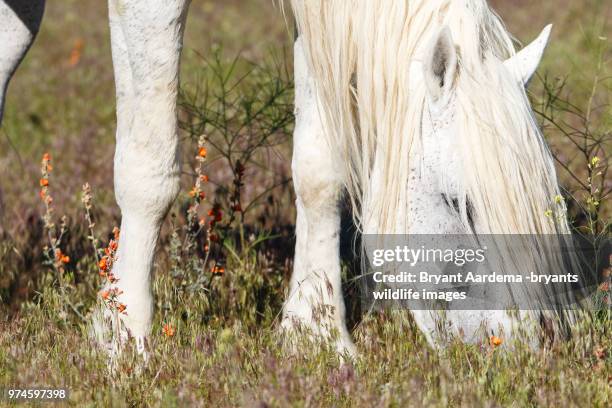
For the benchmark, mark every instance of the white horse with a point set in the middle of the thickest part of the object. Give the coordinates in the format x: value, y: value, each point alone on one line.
x: 407, y: 105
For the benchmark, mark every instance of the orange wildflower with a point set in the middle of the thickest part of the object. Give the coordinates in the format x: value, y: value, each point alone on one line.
x: 103, y: 264
x: 61, y: 257
x: 496, y: 341
x: 105, y: 294
x: 202, y: 152
x: 44, y: 182
x: 46, y: 157
x: 217, y: 270
x: 121, y: 307
x: 204, y: 178
x: 168, y: 330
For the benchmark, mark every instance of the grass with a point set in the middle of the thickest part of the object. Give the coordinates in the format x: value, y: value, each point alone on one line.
x: 235, y: 359
x: 224, y: 349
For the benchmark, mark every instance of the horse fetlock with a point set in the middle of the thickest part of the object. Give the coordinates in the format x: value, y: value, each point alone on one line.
x: 138, y: 314
x: 319, y: 308
x: 111, y: 332
x: 327, y: 330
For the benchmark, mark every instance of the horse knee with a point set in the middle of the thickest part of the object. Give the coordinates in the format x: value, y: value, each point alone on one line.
x: 316, y: 185
x: 316, y: 175
x: 146, y: 182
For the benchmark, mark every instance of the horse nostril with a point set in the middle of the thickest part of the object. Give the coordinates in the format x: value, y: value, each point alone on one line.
x: 453, y: 205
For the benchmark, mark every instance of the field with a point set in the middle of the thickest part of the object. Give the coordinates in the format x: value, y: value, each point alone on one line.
x: 214, y: 339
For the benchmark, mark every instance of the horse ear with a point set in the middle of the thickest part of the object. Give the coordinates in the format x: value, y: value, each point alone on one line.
x: 441, y: 65
x: 524, y: 64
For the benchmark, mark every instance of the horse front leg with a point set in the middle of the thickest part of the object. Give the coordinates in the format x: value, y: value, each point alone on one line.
x: 315, y: 299
x: 19, y: 24
x: 146, y: 37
